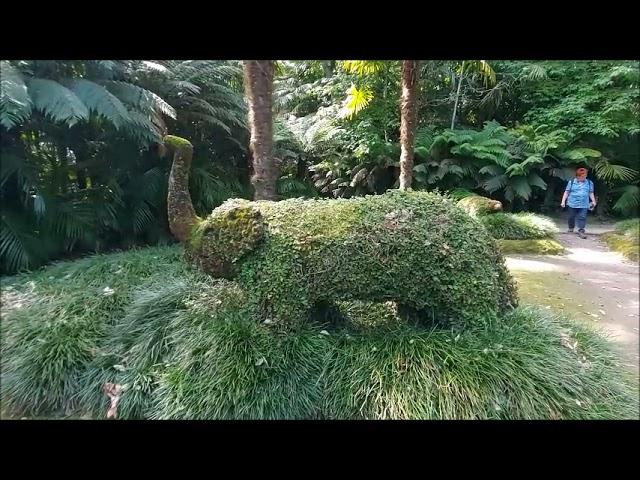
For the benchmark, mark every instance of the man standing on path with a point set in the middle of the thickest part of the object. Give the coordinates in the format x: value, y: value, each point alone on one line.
x: 578, y: 192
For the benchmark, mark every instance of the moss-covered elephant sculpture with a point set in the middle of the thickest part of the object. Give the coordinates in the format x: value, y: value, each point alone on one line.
x: 477, y: 205
x: 415, y: 248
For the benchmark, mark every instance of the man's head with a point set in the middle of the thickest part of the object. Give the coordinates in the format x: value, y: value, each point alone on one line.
x: 581, y: 173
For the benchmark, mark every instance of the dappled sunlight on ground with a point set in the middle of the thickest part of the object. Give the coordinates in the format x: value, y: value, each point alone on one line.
x: 590, y: 255
x: 532, y: 265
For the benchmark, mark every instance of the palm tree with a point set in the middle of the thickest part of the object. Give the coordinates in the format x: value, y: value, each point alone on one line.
x: 258, y: 84
x: 472, y: 67
x: 77, y: 171
x: 407, y: 121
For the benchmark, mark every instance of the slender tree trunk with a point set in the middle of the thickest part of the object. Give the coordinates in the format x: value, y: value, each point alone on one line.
x: 407, y: 121
x: 258, y: 84
x: 455, y: 105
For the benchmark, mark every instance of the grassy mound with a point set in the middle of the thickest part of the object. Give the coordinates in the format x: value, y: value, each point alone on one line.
x: 415, y: 248
x: 626, y: 238
x: 519, y: 226
x: 192, y: 347
x: 545, y: 246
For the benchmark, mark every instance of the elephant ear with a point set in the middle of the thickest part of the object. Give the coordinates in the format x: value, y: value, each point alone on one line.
x: 231, y: 231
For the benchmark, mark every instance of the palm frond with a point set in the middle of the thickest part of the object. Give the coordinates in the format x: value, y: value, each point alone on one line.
x: 18, y: 246
x: 99, y: 100
x: 357, y: 100
x: 57, y: 101
x: 362, y: 67
x: 15, y: 102
x: 140, y: 98
x: 614, y: 173
x: 534, y: 72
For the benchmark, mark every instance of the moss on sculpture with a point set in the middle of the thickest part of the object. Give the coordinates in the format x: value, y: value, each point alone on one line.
x: 477, y: 206
x: 414, y: 248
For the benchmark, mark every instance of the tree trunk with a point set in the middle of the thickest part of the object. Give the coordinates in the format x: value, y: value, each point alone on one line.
x: 455, y: 105
x: 407, y: 121
x: 258, y: 84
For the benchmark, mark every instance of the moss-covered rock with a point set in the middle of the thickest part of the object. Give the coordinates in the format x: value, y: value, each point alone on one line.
x: 414, y: 248
x: 476, y: 205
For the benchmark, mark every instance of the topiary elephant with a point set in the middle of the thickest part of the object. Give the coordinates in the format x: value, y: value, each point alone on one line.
x: 415, y: 248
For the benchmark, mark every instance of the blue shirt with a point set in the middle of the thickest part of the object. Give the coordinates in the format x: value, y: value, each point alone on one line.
x: 579, y: 193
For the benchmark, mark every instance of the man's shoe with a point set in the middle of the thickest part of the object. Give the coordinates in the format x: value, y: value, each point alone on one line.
x: 582, y: 234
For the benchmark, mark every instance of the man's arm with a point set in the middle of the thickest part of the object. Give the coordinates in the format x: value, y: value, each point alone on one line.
x: 563, y: 202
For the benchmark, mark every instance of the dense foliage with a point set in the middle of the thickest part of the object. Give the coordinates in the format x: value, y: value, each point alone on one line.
x: 81, y: 170
x: 187, y: 347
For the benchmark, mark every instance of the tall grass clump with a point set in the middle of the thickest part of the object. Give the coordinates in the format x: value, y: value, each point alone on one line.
x: 183, y: 346
x: 56, y: 321
x: 519, y: 226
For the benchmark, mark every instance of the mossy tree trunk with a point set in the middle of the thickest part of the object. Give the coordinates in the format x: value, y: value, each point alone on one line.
x: 407, y: 121
x: 258, y: 84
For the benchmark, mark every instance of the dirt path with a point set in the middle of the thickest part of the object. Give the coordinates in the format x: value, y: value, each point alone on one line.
x: 589, y: 282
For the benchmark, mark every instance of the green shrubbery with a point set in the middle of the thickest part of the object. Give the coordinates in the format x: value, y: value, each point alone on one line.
x: 416, y: 248
x: 192, y: 347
